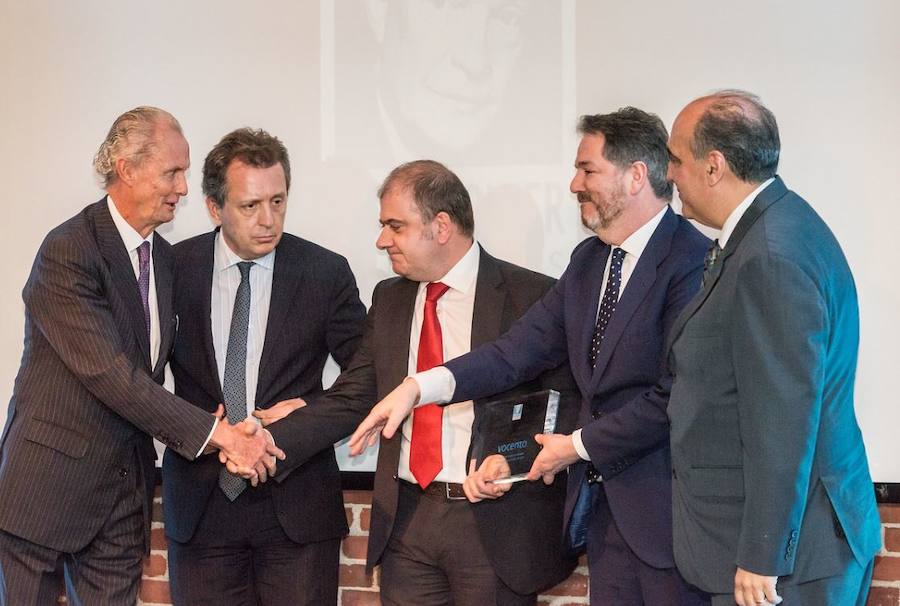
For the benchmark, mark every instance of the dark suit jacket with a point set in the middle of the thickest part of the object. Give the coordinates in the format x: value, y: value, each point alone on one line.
x: 629, y: 383
x: 518, y: 531
x: 771, y: 469
x: 86, y: 400
x: 314, y: 310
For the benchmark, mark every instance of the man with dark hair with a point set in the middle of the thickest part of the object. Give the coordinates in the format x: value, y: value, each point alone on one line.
x: 609, y: 316
x: 260, y: 312
x: 433, y: 546
x: 77, y: 459
x: 771, y: 481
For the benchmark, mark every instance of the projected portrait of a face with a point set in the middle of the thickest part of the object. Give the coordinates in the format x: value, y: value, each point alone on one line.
x: 473, y: 82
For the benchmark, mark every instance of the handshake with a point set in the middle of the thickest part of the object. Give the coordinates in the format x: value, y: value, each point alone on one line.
x: 246, y: 448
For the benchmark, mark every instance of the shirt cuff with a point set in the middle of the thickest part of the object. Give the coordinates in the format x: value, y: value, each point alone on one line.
x: 209, y: 437
x: 436, y: 386
x: 579, y: 445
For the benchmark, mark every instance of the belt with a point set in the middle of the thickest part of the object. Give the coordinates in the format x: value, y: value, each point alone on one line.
x: 450, y: 491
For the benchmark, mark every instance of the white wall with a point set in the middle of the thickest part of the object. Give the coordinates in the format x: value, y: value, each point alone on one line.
x: 491, y: 88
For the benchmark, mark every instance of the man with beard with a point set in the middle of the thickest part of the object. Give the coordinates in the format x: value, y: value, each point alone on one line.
x: 609, y: 314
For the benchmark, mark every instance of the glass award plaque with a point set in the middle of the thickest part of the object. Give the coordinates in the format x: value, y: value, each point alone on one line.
x: 508, y: 426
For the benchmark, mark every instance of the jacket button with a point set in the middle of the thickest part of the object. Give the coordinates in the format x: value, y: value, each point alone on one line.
x: 123, y: 473
x: 596, y: 415
x: 395, y: 477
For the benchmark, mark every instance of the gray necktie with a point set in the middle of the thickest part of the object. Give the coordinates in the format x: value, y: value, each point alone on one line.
x: 234, y: 383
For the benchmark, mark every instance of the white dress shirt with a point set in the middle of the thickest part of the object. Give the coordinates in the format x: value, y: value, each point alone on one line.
x: 133, y: 240
x: 225, y: 282
x: 454, y: 311
x: 735, y: 216
x: 438, y: 384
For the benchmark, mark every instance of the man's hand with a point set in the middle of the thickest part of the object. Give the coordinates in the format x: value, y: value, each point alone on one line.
x: 752, y: 589
x: 479, y: 485
x: 385, y: 417
x: 278, y: 411
x: 557, y: 453
x: 246, y: 449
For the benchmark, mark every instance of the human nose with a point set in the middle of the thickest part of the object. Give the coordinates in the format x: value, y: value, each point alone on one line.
x: 383, y: 240
x: 264, y: 217
x: 577, y: 183
x: 181, y: 187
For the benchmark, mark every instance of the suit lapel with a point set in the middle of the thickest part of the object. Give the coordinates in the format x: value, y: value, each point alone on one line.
x: 589, y: 286
x: 113, y: 250
x: 490, y: 299
x: 162, y: 268
x: 287, y: 276
x: 639, y: 285
x: 399, y: 304
x: 771, y: 194
x: 200, y: 272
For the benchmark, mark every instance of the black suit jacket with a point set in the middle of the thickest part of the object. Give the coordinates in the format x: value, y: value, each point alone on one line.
x: 314, y: 310
x: 86, y: 400
x: 521, y: 531
x: 771, y: 471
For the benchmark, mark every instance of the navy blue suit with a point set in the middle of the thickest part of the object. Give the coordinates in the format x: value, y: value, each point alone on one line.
x: 624, y: 398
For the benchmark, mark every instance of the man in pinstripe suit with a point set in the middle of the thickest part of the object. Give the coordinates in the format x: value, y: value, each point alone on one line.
x: 77, y: 459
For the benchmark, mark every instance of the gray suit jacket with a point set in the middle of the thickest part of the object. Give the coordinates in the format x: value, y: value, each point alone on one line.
x: 770, y: 470
x: 86, y: 400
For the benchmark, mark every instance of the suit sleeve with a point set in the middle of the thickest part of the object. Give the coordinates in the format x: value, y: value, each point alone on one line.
x: 347, y: 317
x: 66, y: 300
x: 337, y: 412
x: 778, y: 352
x: 618, y: 439
x: 533, y: 344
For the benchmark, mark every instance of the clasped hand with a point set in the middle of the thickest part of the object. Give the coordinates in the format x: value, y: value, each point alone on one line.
x: 245, y: 448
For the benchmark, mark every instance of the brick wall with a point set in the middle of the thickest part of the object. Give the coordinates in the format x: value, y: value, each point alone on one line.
x: 358, y: 589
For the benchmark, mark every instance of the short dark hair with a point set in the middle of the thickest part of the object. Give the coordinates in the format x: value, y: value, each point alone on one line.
x: 737, y: 124
x: 633, y: 135
x: 256, y: 148
x: 435, y: 189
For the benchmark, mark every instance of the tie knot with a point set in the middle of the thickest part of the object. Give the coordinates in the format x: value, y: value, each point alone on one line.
x: 245, y: 266
x: 143, y: 252
x: 712, y: 254
x: 618, y: 255
x: 435, y: 290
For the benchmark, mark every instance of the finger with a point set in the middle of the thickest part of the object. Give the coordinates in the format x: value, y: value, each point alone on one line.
x: 471, y: 466
x: 540, y: 438
x: 394, y: 420
x: 262, y: 470
x: 220, y: 412
x: 548, y: 478
x: 223, y: 458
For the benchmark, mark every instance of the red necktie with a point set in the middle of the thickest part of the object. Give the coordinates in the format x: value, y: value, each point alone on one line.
x: 425, y: 445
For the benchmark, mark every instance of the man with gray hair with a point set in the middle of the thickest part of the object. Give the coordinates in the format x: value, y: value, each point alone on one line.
x: 771, y: 483
x: 77, y: 459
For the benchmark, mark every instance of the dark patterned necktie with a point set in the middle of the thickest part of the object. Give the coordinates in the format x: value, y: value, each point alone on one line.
x: 143, y: 252
x: 234, y: 383
x: 709, y: 261
x: 608, y: 302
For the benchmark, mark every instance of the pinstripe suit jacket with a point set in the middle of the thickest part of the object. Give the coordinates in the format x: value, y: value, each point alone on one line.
x: 86, y: 401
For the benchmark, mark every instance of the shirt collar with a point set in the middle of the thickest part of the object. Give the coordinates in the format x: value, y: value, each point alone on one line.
x: 130, y: 236
x: 735, y: 216
x: 225, y: 257
x: 463, y: 275
x: 637, y: 241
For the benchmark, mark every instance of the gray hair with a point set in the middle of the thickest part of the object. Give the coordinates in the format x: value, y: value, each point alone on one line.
x: 131, y: 137
x: 738, y: 125
x: 435, y: 189
x: 633, y: 135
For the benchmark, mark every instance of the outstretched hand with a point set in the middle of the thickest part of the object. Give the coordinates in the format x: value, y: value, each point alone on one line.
x: 385, y: 417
